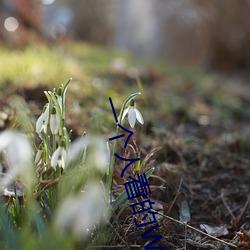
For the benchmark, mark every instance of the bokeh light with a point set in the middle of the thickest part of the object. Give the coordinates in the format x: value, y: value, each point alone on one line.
x: 48, y: 2
x: 11, y: 24
x: 58, y: 31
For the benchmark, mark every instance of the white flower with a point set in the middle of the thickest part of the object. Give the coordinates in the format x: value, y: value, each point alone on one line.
x: 54, y: 121
x: 100, y: 155
x: 98, y: 152
x: 133, y: 114
x: 17, y: 152
x: 79, y: 214
x: 59, y: 157
x: 42, y: 122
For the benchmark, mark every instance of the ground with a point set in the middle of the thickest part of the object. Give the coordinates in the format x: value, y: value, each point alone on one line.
x: 197, y: 123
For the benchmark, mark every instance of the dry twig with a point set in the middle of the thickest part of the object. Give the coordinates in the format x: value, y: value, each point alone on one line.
x: 197, y: 230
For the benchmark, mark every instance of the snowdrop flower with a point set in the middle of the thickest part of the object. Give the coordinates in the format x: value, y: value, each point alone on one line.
x: 59, y: 157
x: 98, y: 152
x: 79, y: 214
x: 133, y: 114
x: 17, y: 152
x: 54, y: 121
x: 42, y: 122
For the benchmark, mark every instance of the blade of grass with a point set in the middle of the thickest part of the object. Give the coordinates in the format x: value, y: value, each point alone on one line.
x: 11, y: 237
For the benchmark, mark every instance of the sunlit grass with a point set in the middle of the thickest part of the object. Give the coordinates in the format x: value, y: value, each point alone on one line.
x: 37, y: 65
x: 41, y: 64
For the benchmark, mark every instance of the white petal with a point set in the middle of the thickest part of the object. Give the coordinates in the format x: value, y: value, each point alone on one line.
x: 54, y: 124
x: 77, y: 148
x: 19, y: 159
x: 125, y: 112
x: 61, y: 163
x: 66, y: 216
x: 59, y: 99
x: 101, y: 155
x: 64, y: 154
x: 44, y: 127
x: 132, y: 117
x: 46, y: 113
x: 39, y: 123
x: 78, y: 214
x: 19, y: 151
x: 63, y: 158
x: 92, y: 209
x: 5, y: 139
x: 55, y: 156
x: 139, y: 116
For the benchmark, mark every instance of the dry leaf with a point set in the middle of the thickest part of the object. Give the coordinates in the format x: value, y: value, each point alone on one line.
x: 245, y: 236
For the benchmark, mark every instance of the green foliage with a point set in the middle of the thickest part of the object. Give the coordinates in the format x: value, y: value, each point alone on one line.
x: 34, y: 64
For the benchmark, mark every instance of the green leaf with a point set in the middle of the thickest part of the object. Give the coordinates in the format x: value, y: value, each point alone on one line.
x: 39, y: 222
x: 120, y: 212
x: 11, y: 237
x: 65, y: 87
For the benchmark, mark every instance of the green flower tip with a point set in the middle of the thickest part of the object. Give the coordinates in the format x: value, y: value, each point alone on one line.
x: 62, y: 143
x: 45, y: 107
x: 132, y: 103
x: 59, y: 91
x: 53, y: 111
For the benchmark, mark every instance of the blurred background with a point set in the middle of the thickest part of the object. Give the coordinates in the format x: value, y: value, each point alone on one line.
x: 211, y: 34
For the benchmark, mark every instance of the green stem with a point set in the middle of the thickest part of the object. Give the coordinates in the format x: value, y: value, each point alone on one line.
x: 112, y: 164
x: 47, y: 140
x: 54, y: 142
x: 65, y: 87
